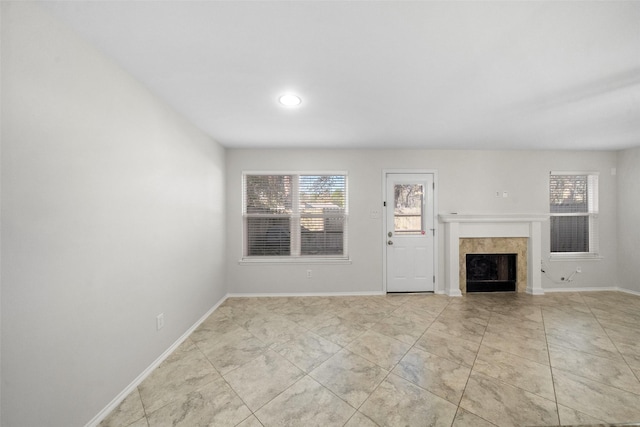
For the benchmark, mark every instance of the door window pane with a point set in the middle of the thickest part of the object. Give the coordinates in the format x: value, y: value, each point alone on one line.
x: 408, y: 208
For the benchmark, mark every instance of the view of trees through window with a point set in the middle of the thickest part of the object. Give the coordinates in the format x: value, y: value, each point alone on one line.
x: 292, y: 215
x: 570, y: 213
x: 409, y: 202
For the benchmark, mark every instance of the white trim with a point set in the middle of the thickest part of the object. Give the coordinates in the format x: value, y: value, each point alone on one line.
x: 295, y: 260
x: 295, y: 172
x: 499, y: 217
x: 434, y: 173
x: 583, y: 289
x: 138, y: 380
x: 309, y: 294
x: 629, y: 291
x: 574, y: 173
x: 574, y: 256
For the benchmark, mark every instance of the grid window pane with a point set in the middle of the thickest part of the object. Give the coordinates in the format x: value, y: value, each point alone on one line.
x: 268, y: 237
x: 573, y: 205
x: 309, y: 215
x: 408, y: 208
x: 570, y: 233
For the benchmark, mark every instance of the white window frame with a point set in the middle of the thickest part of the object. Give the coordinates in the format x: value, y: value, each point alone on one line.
x: 294, y: 225
x: 592, y: 213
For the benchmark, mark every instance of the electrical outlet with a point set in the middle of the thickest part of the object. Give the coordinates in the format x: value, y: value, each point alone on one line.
x: 309, y: 274
x: 160, y: 321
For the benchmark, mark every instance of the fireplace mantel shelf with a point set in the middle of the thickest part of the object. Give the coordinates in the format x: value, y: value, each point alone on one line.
x: 518, y: 217
x: 459, y: 226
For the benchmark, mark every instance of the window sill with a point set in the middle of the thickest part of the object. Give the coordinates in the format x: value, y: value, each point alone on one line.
x: 296, y: 260
x: 575, y: 257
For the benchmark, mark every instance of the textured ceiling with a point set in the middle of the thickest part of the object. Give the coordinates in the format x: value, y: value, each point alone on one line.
x: 382, y: 74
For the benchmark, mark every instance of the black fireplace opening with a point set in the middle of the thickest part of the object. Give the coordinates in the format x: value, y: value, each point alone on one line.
x: 491, y: 272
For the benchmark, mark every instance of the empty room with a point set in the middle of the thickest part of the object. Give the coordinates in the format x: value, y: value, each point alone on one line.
x: 320, y: 213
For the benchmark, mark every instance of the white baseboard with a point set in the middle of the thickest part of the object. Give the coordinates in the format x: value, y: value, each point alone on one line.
x: 136, y: 382
x: 596, y: 289
x: 629, y: 291
x: 308, y: 294
x: 584, y: 289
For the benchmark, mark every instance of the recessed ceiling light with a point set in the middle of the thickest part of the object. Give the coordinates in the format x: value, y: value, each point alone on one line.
x: 290, y: 100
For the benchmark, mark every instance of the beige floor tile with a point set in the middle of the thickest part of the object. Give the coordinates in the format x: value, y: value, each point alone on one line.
x: 627, y: 341
x: 142, y: 422
x: 436, y: 374
x: 596, y: 343
x: 469, y: 331
x: 252, y: 421
x: 367, y: 320
x: 306, y: 403
x: 307, y: 351
x: 359, y: 420
x: 185, y: 370
x: 527, y: 314
x: 516, y: 371
x: 231, y: 350
x: 615, y: 373
x: 403, y: 328
x: 339, y: 331
x: 528, y: 348
x: 384, y: 351
x: 214, y: 327
x: 417, y: 312
x: 597, y: 400
x: 213, y: 404
x: 513, y: 325
x: 569, y: 416
x: 594, y: 370
x: 503, y: 404
x: 262, y: 379
x: 452, y: 316
x: 467, y: 419
x: 398, y: 402
x: 452, y: 348
x: 273, y: 329
x: 350, y: 377
x: 128, y: 412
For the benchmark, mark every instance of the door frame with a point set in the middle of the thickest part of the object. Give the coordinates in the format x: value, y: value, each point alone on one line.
x: 436, y: 239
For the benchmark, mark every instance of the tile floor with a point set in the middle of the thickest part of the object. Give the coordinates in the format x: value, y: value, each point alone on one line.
x: 401, y: 360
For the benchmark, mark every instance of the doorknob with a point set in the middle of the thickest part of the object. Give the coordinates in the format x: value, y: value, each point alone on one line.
x: 389, y: 243
x: 390, y: 234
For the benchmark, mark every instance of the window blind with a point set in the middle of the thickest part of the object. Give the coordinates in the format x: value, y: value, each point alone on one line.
x: 574, y: 212
x: 295, y: 215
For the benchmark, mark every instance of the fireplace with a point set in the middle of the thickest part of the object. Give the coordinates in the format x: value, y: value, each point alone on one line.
x: 498, y: 229
x: 491, y: 272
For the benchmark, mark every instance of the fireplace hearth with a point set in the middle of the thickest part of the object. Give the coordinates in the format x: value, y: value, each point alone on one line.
x: 491, y: 272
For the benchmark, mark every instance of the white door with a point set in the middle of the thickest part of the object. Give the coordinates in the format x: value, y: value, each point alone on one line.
x: 409, y: 234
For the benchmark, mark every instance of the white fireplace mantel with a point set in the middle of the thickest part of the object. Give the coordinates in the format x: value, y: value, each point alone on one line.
x: 493, y: 225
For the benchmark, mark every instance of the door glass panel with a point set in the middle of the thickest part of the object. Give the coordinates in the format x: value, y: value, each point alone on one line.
x: 408, y: 210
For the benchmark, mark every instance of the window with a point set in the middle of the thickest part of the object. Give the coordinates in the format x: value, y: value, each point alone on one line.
x: 573, y: 198
x: 293, y: 215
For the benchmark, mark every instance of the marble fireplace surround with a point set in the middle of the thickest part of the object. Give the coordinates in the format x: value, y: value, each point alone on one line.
x: 488, y: 226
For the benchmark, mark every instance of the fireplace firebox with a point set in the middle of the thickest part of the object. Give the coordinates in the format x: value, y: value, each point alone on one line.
x: 491, y: 272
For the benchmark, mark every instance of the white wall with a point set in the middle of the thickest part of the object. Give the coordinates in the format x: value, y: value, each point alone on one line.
x: 468, y: 182
x: 112, y: 212
x: 628, y: 219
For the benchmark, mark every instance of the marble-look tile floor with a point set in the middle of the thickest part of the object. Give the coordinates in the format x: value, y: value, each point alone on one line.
x: 401, y: 360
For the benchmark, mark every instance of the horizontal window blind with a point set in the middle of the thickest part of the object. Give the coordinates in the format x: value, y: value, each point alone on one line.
x: 295, y: 215
x: 574, y: 212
